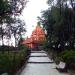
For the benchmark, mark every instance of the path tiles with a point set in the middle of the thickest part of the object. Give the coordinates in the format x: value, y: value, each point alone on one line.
x: 40, y: 64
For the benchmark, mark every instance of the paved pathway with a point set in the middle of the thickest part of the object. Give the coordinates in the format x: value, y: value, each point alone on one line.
x: 40, y: 64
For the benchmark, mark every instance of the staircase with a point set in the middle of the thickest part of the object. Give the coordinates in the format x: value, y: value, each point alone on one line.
x: 40, y: 64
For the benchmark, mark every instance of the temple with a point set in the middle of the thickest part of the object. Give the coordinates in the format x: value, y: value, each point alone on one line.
x: 37, y: 38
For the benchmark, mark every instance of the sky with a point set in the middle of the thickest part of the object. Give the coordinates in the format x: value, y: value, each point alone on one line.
x: 31, y: 12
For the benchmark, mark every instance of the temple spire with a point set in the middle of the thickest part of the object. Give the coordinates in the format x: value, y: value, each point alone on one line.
x: 38, y: 23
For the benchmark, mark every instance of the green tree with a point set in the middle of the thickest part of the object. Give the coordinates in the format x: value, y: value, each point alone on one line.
x: 8, y: 9
x: 58, y: 21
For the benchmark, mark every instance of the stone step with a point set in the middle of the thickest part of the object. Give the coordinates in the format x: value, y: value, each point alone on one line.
x: 40, y: 62
x: 39, y: 59
x: 38, y: 54
x: 37, y: 51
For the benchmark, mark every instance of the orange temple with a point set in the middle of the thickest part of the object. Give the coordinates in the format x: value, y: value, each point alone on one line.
x: 37, y: 38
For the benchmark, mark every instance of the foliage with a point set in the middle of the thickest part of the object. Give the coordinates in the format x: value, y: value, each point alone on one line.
x: 18, y: 30
x: 68, y: 56
x: 21, y: 46
x: 5, y: 10
x: 9, y: 11
x: 18, y: 6
x: 59, y: 23
x: 11, y: 61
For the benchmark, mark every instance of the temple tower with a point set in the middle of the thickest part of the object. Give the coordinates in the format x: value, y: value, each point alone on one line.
x: 37, y: 38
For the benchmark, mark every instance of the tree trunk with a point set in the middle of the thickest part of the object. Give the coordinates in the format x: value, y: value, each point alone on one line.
x: 2, y: 35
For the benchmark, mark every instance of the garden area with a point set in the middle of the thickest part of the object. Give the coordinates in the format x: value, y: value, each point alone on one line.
x: 12, y: 61
x: 13, y: 55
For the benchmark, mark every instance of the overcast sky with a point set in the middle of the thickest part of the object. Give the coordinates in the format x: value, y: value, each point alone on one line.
x: 30, y: 13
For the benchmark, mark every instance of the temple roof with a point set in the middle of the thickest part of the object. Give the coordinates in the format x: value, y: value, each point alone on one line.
x: 38, y: 31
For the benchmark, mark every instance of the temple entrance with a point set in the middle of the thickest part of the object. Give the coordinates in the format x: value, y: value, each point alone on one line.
x: 38, y: 47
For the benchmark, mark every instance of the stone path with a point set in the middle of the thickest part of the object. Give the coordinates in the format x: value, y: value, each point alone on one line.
x: 40, y: 64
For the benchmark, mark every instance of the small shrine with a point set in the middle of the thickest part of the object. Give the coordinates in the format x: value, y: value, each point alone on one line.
x: 37, y: 38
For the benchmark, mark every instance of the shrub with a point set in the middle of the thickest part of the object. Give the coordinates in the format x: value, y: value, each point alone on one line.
x: 68, y: 56
x: 12, y: 60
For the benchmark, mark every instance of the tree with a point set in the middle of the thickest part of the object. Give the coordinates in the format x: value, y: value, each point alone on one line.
x: 8, y: 9
x: 18, y: 6
x: 18, y: 30
x: 58, y: 21
x: 4, y: 14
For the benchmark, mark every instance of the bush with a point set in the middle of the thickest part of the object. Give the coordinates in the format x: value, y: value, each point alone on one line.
x: 68, y: 56
x: 11, y: 61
